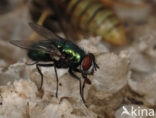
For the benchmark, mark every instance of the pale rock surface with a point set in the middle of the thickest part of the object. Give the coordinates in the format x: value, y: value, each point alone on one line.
x: 143, y: 62
x: 113, y: 73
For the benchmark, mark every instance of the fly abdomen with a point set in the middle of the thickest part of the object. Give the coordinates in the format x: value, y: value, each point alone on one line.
x: 36, y: 55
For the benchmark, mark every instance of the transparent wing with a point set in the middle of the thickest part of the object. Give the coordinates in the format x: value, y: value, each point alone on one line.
x: 39, y: 45
x: 45, y: 32
x: 25, y: 44
x: 69, y: 31
x: 47, y: 45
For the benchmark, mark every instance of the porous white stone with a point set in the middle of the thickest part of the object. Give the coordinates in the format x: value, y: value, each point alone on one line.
x: 113, y: 73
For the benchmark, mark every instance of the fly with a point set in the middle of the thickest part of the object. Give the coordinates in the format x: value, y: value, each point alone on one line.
x: 59, y: 53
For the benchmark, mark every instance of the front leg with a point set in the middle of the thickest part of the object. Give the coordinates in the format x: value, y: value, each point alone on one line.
x: 76, y: 77
x: 83, y: 75
x: 86, y: 78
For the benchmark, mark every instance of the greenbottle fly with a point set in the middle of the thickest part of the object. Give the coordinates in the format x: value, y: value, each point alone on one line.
x: 59, y: 53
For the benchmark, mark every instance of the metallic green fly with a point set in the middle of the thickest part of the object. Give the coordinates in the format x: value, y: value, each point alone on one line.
x: 60, y: 53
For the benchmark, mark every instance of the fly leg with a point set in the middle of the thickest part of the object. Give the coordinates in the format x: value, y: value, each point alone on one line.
x: 47, y: 65
x: 86, y: 80
x: 76, y: 77
x: 83, y: 75
x: 40, y: 72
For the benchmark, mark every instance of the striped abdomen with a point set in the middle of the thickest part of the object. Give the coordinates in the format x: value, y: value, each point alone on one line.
x: 96, y: 18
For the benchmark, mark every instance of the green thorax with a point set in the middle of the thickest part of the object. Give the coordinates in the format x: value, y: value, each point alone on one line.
x: 72, y: 51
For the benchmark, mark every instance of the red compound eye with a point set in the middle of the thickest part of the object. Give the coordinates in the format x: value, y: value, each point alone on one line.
x: 86, y: 63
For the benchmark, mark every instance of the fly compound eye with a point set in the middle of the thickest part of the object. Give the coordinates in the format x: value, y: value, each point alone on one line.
x: 87, y: 65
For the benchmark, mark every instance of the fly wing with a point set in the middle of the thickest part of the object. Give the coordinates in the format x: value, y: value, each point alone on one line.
x: 39, y: 45
x: 47, y: 45
x: 25, y: 44
x: 45, y: 32
x: 69, y: 31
